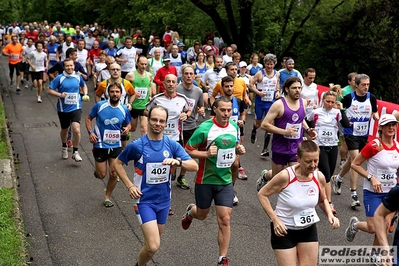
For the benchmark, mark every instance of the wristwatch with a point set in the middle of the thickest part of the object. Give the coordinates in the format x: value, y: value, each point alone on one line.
x: 179, y: 159
x: 90, y: 131
x: 369, y: 177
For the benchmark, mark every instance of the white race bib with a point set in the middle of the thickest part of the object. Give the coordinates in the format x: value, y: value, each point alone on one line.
x: 14, y: 56
x: 386, y: 178
x: 360, y: 128
x: 52, y: 57
x: 226, y: 157
x: 111, y: 136
x: 298, y: 128
x: 326, y: 134
x: 143, y: 92
x: 71, y: 98
x: 157, y: 173
x: 191, y: 103
x: 269, y: 96
x: 234, y: 118
x: 171, y: 128
x: 306, y: 218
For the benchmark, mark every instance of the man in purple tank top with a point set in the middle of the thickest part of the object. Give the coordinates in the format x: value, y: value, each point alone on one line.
x: 286, y: 120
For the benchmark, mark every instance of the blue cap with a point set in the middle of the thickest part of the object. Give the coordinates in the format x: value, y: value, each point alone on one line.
x: 180, y: 44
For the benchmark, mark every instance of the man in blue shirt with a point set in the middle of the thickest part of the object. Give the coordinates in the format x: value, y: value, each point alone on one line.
x: 112, y: 121
x: 154, y: 156
x: 66, y: 87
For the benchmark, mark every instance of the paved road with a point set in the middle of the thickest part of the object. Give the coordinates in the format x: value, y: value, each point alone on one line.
x: 66, y: 224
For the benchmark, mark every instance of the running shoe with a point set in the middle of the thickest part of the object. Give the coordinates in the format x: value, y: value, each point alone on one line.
x: 108, y: 203
x: 187, y: 219
x: 241, y: 174
x: 224, y: 262
x: 265, y: 153
x: 69, y: 143
x: 64, y: 153
x: 18, y: 89
x: 39, y: 99
x: 336, y: 184
x: 253, y: 136
x: 174, y: 176
x: 76, y: 157
x: 235, y: 199
x: 375, y: 260
x: 355, y: 201
x: 182, y: 183
x: 351, y: 230
x: 26, y: 86
x: 261, y: 182
x: 333, y: 209
x: 249, y: 111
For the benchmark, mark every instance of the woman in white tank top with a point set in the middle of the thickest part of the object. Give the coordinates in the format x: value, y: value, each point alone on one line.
x: 299, y: 189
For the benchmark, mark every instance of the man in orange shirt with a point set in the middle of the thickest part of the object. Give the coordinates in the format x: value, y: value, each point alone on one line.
x: 240, y: 88
x: 14, y: 52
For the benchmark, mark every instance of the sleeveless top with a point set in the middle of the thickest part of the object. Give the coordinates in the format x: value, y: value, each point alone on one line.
x: 296, y: 202
x: 268, y: 86
x: 141, y: 85
x: 284, y: 144
x: 359, y: 114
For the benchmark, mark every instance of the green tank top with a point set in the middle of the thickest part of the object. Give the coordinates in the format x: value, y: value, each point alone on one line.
x: 141, y: 85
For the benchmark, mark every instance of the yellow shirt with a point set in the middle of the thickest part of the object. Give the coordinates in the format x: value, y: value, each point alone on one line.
x: 240, y: 89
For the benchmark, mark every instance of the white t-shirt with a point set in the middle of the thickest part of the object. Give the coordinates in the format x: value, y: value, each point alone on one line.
x: 27, y: 51
x: 227, y: 59
x: 37, y: 59
x: 310, y: 93
x: 163, y: 51
x: 130, y: 54
x: 82, y: 58
x: 89, y: 42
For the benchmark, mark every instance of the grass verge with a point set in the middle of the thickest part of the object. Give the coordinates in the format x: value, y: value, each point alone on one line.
x: 12, y: 242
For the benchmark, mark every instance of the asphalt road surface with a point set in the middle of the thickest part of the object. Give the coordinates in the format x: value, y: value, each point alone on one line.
x: 66, y: 223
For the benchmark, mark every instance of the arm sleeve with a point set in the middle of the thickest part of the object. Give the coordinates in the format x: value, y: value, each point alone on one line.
x: 94, y: 111
x: 101, y: 88
x: 131, y: 152
x: 157, y: 77
x: 180, y: 152
x: 344, y: 119
x: 346, y: 101
x: 129, y: 87
x: 370, y: 149
x: 217, y: 89
x: 373, y: 101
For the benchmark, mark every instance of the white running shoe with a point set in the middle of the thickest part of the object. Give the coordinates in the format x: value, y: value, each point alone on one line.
x: 235, y: 200
x: 39, y: 99
x: 64, y: 153
x: 76, y: 157
x: 261, y: 182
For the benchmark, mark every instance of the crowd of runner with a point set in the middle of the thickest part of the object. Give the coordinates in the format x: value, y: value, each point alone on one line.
x: 168, y: 88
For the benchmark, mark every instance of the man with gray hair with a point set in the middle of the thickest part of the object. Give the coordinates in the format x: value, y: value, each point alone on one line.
x: 196, y: 104
x: 266, y: 92
x: 360, y: 107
